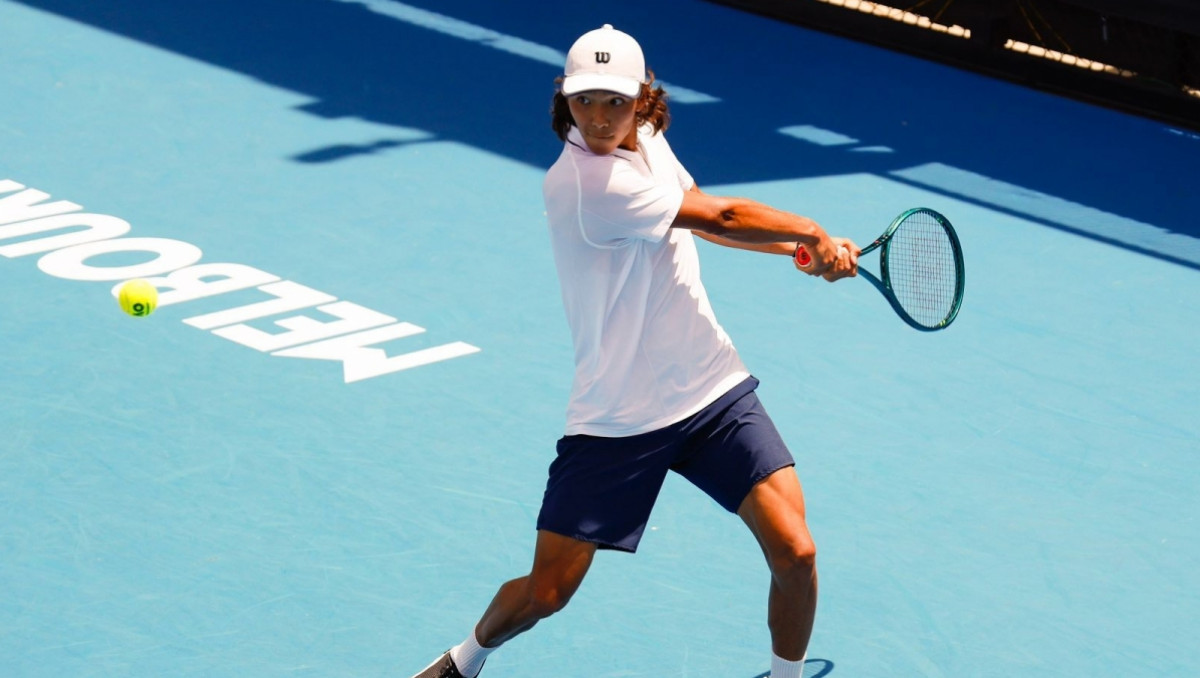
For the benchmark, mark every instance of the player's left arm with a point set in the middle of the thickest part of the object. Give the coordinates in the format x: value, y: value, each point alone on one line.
x: 787, y: 249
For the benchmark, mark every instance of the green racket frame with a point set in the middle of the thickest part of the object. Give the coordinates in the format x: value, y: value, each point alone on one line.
x: 883, y: 282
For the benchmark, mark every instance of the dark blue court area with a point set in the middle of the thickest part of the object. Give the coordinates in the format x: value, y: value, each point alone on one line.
x: 324, y: 452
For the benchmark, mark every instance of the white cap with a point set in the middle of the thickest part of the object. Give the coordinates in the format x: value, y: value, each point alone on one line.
x: 605, y: 59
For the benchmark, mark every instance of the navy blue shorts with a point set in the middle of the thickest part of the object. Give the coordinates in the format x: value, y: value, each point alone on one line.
x: 602, y: 489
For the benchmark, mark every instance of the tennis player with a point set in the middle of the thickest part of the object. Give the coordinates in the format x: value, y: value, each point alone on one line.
x: 658, y: 384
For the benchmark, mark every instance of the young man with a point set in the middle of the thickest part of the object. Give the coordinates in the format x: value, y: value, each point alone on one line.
x: 658, y: 384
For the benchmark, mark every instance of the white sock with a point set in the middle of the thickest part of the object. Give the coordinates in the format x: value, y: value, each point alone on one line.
x: 782, y: 668
x: 469, y: 656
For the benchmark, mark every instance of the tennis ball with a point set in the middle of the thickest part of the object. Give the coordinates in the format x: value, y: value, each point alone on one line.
x: 138, y: 298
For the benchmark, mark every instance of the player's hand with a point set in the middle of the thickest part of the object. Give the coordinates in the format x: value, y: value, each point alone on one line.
x: 831, y: 259
x: 846, y: 265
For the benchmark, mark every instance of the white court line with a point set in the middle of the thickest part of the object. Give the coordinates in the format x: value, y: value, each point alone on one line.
x: 506, y: 43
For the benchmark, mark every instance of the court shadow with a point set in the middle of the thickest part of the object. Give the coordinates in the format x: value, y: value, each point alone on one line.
x: 344, y: 151
x: 481, y: 73
x: 813, y: 668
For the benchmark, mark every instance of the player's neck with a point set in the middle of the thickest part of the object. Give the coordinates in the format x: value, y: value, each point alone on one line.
x: 630, y: 141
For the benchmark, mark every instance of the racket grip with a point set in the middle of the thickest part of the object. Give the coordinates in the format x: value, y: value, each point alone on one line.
x: 804, y: 259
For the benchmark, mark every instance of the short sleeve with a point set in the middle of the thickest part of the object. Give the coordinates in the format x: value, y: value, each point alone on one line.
x: 686, y: 182
x: 630, y: 206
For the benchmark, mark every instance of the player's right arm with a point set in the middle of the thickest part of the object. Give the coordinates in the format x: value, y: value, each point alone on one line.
x: 749, y: 224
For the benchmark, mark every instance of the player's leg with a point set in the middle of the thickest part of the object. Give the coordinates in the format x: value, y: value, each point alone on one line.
x: 736, y: 455
x: 599, y: 494
x: 559, y: 565
x: 774, y: 512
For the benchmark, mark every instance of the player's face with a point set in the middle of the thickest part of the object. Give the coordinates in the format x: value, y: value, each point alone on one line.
x: 607, y: 120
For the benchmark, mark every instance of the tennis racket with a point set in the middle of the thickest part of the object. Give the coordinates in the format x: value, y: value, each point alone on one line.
x: 920, y: 268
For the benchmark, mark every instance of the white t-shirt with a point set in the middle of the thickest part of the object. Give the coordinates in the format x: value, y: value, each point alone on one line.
x: 648, y: 349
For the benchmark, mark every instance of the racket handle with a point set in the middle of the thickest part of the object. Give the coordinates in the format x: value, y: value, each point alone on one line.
x: 804, y: 259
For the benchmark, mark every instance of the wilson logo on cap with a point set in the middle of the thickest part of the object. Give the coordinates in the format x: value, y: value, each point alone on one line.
x: 605, y: 59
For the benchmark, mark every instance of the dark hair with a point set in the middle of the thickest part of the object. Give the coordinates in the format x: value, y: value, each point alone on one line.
x: 651, y: 108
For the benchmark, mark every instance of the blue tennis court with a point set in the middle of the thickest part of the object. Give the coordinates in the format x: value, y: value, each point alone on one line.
x: 327, y: 448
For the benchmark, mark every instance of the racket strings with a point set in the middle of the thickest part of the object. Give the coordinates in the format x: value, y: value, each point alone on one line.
x: 922, y: 268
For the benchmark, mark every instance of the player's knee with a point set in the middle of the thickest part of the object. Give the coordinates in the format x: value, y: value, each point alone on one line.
x: 549, y: 598
x: 795, y: 562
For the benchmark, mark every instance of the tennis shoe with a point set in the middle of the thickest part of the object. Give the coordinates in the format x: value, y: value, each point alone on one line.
x: 442, y: 667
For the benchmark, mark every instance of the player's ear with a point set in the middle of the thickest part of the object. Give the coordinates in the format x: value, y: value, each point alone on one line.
x: 643, y: 107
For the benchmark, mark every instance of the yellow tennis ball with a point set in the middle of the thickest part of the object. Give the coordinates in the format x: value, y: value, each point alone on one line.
x: 138, y: 298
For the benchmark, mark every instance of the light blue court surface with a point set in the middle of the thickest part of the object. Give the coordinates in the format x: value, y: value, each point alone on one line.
x: 228, y: 489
